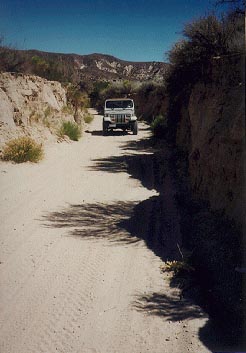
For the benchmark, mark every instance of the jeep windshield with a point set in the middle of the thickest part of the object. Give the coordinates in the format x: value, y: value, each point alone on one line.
x: 119, y: 104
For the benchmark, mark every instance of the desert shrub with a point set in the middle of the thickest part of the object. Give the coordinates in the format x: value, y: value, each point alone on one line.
x: 97, y: 93
x: 48, y: 112
x: 71, y: 129
x: 22, y: 149
x: 51, y: 66
x: 40, y: 65
x: 205, y: 40
x: 88, y: 118
x: 46, y: 123
x: 35, y: 117
x: 149, y: 101
x: 159, y: 126
x: 12, y: 60
x: 67, y: 109
x: 177, y: 267
x: 104, y: 90
x: 211, y: 52
x: 78, y: 100
x: 76, y: 97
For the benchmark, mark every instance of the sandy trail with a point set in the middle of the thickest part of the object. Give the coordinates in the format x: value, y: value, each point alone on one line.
x: 73, y: 279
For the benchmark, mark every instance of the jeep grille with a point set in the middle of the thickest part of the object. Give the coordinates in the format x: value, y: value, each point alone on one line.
x: 119, y: 118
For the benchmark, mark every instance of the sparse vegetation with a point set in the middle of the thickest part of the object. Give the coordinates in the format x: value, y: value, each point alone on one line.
x: 159, y: 126
x: 209, y: 45
x: 176, y: 267
x: 51, y: 67
x: 211, y: 56
x: 35, y: 117
x: 148, y: 98
x: 88, y: 118
x: 103, y: 90
x: 46, y: 123
x: 70, y: 129
x: 207, y: 40
x: 67, y: 109
x: 96, y: 92
x: 78, y: 100
x: 22, y: 149
x: 48, y: 112
x: 40, y: 65
x: 42, y: 117
x: 150, y: 101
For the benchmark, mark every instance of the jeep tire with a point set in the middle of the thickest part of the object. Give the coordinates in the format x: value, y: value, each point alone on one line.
x: 135, y: 128
x: 105, y: 128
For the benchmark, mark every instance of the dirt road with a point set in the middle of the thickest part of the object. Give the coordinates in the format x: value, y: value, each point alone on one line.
x: 74, y: 278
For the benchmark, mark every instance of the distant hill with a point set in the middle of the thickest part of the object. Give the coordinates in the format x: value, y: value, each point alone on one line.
x: 77, y: 68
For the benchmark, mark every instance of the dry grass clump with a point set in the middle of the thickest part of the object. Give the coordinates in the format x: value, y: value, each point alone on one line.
x: 159, y: 126
x: 48, y: 112
x: 66, y: 109
x: 88, y: 118
x: 176, y: 267
x: 70, y: 129
x: 22, y: 149
x: 35, y: 117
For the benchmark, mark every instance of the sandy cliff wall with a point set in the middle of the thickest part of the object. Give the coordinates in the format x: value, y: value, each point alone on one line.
x: 212, y: 130
x: 30, y: 105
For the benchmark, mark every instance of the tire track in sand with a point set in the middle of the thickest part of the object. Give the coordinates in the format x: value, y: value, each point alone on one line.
x: 60, y: 298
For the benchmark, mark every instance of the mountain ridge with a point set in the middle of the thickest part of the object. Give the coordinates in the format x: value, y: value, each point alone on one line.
x: 96, y: 54
x: 88, y: 67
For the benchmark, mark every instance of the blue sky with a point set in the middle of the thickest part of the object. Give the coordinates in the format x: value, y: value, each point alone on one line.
x: 137, y: 30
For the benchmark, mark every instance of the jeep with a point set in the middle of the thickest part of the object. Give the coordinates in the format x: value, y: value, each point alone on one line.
x: 119, y: 113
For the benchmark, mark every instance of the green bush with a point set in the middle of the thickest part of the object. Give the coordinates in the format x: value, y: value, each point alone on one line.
x: 88, y: 118
x: 159, y: 126
x: 72, y: 130
x: 22, y: 149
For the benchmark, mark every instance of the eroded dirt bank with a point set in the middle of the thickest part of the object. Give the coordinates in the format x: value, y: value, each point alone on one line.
x: 80, y: 271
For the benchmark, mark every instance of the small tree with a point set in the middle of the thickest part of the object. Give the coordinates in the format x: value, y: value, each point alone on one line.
x: 206, y: 39
x: 78, y: 100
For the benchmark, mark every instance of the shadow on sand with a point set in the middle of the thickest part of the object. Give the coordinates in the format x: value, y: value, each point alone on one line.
x: 153, y: 221
x: 117, y: 132
x: 120, y: 222
x: 171, y: 308
x: 110, y: 133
